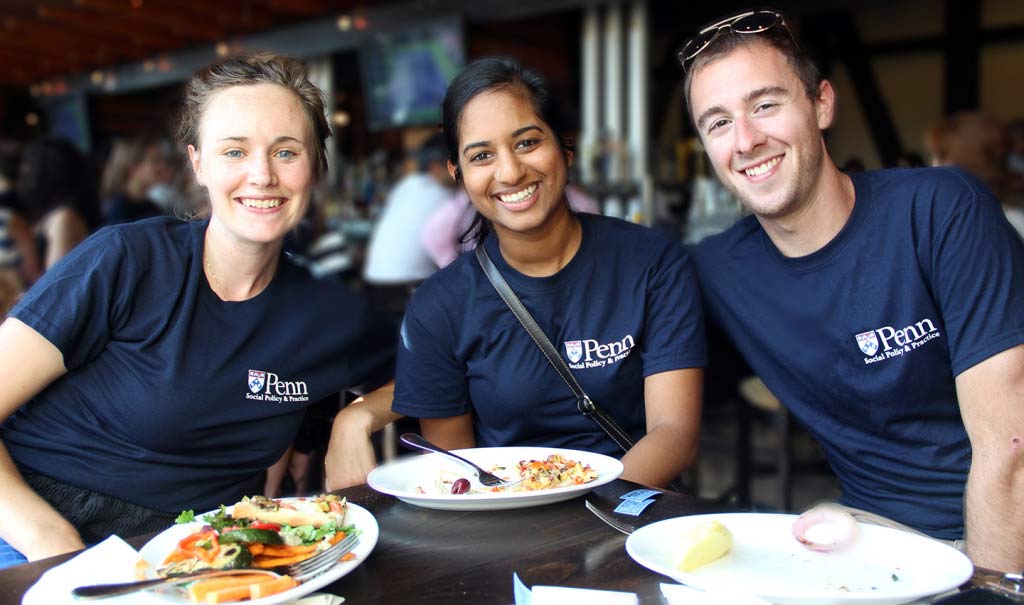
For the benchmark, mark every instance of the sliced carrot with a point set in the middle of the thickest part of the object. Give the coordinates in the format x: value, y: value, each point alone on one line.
x: 337, y: 537
x: 197, y: 591
x: 269, y: 587
x: 255, y: 548
x: 348, y: 556
x: 226, y: 595
x: 282, y: 550
x: 264, y: 562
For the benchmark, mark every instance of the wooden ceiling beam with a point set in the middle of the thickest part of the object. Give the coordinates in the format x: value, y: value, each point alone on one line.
x: 13, y: 62
x: 38, y: 50
x: 306, y: 8
x: 157, y: 16
x: 229, y: 15
x: 47, y: 36
x: 153, y: 39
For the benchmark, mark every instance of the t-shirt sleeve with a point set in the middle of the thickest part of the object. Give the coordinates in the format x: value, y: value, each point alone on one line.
x: 80, y: 302
x: 977, y: 267
x: 674, y: 324
x: 431, y: 381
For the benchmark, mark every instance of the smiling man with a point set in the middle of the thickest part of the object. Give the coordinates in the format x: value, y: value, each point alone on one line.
x: 884, y: 309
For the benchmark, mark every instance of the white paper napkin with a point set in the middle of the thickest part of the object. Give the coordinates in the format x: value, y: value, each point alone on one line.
x: 112, y: 560
x: 564, y: 595
x: 680, y: 594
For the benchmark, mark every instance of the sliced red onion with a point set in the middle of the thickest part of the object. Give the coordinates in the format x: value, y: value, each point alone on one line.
x: 825, y: 528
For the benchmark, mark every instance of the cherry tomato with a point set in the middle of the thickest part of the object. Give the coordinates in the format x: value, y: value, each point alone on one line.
x: 460, y: 486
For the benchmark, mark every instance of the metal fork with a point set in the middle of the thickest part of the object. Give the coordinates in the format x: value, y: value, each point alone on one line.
x: 300, y: 572
x: 488, y: 479
x: 622, y: 526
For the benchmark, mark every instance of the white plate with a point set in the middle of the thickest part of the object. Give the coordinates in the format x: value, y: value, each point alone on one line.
x: 402, y: 477
x: 157, y: 549
x: 881, y: 567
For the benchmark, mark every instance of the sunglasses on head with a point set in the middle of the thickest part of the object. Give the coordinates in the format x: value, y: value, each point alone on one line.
x: 749, y: 22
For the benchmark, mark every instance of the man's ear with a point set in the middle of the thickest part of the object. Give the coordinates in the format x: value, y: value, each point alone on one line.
x: 825, y: 104
x: 193, y: 158
x: 453, y: 171
x: 569, y: 157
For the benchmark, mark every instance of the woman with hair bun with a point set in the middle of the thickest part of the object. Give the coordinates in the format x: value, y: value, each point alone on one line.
x: 164, y: 365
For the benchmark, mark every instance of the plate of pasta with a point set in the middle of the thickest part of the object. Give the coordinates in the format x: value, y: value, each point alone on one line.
x: 541, y: 475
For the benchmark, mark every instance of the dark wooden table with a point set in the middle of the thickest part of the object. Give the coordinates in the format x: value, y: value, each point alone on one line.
x: 431, y: 557
x: 448, y: 557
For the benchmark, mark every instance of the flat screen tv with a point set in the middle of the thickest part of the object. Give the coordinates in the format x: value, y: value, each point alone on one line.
x: 406, y: 72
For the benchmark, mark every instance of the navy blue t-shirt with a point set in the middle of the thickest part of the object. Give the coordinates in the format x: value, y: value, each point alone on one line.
x: 863, y: 338
x: 625, y: 307
x: 175, y: 399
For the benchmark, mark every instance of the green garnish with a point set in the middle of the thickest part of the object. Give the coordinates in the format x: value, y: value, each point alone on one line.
x: 186, y: 516
x: 221, y: 520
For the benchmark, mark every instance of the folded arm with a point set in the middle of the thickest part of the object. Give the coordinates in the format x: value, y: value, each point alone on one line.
x: 673, y: 406
x: 28, y: 363
x: 350, y: 454
x: 991, y: 396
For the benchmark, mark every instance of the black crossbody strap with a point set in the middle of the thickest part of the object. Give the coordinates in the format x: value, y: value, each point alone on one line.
x: 586, y: 406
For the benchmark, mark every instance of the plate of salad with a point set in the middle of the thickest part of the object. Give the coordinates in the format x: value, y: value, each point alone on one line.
x: 220, y: 539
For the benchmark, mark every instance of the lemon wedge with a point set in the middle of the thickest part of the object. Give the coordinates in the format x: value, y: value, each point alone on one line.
x: 702, y: 545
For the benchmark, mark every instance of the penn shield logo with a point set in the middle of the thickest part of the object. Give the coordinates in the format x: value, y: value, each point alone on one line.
x: 268, y: 386
x: 591, y: 353
x: 868, y: 343
x: 574, y: 350
x: 887, y: 342
x: 257, y: 380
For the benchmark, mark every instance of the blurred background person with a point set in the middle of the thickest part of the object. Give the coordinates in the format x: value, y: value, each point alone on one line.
x: 396, y: 261
x: 57, y: 188
x: 978, y: 144
x: 1014, y: 202
x: 134, y: 167
x: 17, y: 248
x: 972, y: 141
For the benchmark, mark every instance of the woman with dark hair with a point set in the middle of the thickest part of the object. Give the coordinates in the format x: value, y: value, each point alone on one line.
x: 57, y: 187
x: 619, y: 300
x: 164, y: 365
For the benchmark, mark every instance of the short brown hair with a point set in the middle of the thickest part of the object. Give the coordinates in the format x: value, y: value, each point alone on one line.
x: 779, y: 37
x: 263, y: 68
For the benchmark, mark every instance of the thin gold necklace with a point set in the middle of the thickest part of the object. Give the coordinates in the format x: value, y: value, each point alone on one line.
x: 210, y: 274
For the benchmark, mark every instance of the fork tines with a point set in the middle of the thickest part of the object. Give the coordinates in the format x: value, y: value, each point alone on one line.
x: 321, y: 561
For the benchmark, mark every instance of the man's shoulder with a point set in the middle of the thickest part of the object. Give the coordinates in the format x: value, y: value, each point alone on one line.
x: 934, y: 182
